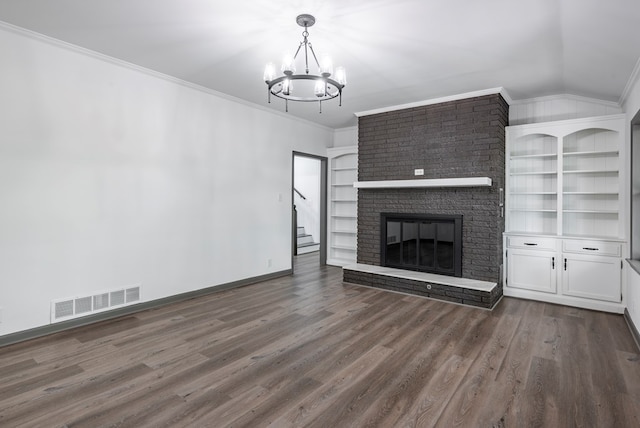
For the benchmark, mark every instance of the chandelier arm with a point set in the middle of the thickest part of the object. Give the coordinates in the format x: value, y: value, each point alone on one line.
x: 306, y: 57
x: 314, y: 55
x: 298, y: 50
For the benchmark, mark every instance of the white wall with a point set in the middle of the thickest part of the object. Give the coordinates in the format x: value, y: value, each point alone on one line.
x: 112, y: 176
x: 307, y: 181
x: 558, y: 107
x: 631, y: 107
x: 345, y: 137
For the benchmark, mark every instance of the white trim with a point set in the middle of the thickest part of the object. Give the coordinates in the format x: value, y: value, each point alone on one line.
x: 432, y: 101
x: 118, y: 62
x: 597, y: 305
x: 428, y: 182
x: 564, y: 97
x: 633, y: 78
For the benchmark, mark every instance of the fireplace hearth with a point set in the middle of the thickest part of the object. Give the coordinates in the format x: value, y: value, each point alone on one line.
x: 422, y: 242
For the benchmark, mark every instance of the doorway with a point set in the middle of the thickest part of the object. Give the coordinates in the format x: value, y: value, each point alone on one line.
x: 309, y: 208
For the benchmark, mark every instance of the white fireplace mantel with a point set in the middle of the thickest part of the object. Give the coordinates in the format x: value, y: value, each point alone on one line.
x: 425, y: 182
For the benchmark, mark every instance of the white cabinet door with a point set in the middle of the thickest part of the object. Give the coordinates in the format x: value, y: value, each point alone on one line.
x: 532, y: 270
x: 592, y: 277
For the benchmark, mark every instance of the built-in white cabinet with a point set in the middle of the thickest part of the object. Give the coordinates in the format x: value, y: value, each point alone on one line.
x: 532, y: 270
x: 576, y: 272
x: 343, y: 206
x: 592, y: 277
x: 531, y: 263
x: 564, y: 238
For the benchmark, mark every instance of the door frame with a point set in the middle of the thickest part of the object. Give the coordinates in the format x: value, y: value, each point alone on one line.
x: 324, y: 162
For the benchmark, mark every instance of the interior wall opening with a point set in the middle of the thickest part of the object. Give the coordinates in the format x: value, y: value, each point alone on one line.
x: 309, y: 208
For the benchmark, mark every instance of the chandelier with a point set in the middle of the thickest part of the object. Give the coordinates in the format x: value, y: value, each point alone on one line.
x: 309, y: 87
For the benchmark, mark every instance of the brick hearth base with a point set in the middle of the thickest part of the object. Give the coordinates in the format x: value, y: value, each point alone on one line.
x: 471, y: 292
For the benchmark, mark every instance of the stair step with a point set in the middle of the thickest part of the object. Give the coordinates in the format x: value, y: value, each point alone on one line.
x: 308, y: 248
x: 305, y: 239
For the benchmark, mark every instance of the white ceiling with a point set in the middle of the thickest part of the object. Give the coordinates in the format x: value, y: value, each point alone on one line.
x: 395, y: 51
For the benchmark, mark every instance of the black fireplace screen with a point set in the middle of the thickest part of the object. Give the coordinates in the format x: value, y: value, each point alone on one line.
x: 423, y: 242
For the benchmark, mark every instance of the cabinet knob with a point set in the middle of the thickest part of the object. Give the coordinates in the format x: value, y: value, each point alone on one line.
x: 553, y: 262
x: 531, y: 244
x: 590, y: 248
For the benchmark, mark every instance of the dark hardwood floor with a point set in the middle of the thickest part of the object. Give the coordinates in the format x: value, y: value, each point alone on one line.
x: 308, y: 350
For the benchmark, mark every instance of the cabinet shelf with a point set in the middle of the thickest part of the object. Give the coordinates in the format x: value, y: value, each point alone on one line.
x: 593, y: 153
x: 534, y: 173
x: 592, y: 193
x: 344, y: 168
x: 592, y: 171
x: 607, y: 212
x: 592, y: 237
x: 343, y: 200
x: 344, y: 232
x: 531, y: 210
x: 342, y: 184
x: 532, y: 193
x: 344, y: 247
x: 537, y: 156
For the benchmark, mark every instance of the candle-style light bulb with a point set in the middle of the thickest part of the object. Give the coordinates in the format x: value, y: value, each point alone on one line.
x: 287, y: 86
x: 320, y: 88
x: 269, y: 72
x: 326, y: 65
x: 341, y: 76
x: 288, y: 65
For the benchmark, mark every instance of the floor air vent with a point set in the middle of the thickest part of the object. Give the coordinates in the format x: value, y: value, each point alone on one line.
x: 64, y: 309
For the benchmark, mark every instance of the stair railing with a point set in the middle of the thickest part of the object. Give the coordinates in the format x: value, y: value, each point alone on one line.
x: 305, y: 215
x: 294, y: 240
x: 299, y: 194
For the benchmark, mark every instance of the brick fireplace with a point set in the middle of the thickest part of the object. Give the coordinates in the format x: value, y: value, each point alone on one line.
x: 456, y: 139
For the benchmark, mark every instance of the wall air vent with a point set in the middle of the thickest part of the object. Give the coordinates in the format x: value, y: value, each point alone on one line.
x: 64, y: 309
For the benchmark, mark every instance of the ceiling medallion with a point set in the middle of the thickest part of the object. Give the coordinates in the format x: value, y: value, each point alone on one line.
x: 309, y: 87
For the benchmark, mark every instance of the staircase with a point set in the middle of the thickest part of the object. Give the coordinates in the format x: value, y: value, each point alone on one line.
x: 305, y: 242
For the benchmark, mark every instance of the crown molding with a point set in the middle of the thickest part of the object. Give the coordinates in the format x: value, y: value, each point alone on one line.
x: 633, y: 79
x: 457, y: 97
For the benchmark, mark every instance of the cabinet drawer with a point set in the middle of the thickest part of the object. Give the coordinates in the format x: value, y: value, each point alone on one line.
x: 533, y: 243
x: 600, y: 248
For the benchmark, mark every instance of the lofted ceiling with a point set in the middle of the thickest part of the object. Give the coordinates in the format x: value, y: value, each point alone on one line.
x: 395, y: 51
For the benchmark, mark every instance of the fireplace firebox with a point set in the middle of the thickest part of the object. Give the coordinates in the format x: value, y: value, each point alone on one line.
x: 422, y: 242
